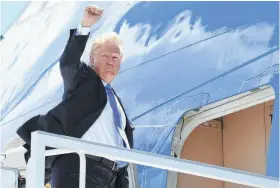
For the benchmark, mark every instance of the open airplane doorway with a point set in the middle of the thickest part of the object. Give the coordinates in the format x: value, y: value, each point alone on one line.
x: 232, y: 133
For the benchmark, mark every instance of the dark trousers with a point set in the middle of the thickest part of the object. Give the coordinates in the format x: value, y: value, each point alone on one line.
x: 66, y: 172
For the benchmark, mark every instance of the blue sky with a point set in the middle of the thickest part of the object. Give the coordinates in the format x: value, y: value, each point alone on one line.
x: 10, y: 11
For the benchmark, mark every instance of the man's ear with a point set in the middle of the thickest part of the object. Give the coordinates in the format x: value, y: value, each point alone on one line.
x: 121, y: 60
x: 91, y: 63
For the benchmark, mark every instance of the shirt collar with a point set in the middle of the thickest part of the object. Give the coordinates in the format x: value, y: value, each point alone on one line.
x: 104, y: 83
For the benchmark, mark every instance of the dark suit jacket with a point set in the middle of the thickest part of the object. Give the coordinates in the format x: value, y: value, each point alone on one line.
x: 83, y: 101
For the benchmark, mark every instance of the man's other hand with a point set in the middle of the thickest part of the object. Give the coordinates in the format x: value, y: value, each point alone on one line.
x: 91, y: 15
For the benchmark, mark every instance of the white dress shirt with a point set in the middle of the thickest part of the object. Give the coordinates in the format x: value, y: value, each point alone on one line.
x: 103, y: 130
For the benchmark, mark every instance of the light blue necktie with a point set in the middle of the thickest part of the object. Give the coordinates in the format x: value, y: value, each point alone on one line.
x: 113, y: 104
x: 117, y: 116
x: 116, y: 113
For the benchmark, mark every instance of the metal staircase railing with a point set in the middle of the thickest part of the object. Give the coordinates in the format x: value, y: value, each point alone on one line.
x: 39, y: 140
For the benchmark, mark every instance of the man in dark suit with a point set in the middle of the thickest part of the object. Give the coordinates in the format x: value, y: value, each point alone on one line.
x: 90, y: 110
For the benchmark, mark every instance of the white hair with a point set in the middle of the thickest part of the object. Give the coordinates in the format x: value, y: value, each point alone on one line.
x: 109, y: 36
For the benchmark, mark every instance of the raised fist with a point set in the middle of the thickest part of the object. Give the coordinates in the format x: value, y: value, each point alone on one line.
x: 91, y: 15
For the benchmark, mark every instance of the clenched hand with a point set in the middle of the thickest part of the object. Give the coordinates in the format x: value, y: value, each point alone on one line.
x: 91, y: 15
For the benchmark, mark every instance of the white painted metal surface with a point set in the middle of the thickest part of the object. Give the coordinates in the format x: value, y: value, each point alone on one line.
x: 9, y: 177
x: 41, y: 139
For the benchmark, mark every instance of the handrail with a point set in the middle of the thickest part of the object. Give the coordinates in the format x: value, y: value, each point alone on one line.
x: 15, y: 170
x: 39, y: 140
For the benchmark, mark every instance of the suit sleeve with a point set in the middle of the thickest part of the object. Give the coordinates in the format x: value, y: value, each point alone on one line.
x: 70, y: 59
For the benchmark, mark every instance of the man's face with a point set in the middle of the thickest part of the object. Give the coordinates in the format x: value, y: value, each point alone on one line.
x: 106, y: 61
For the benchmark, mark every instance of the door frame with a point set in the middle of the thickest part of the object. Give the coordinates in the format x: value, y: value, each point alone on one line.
x: 192, y: 119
